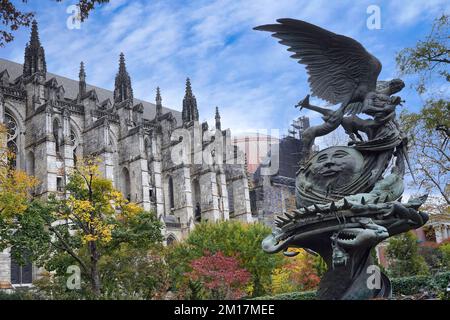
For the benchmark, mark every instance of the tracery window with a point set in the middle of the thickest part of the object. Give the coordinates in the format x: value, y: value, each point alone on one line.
x: 12, y: 137
x: 171, y: 194
x: 171, y: 240
x: 56, y: 135
x: 74, y: 140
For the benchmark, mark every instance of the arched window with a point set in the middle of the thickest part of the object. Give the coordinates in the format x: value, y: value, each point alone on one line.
x: 148, y: 148
x: 230, y: 197
x: 74, y: 140
x: 196, y: 200
x: 21, y: 273
x: 12, y: 137
x: 126, y: 183
x: 171, y: 194
x: 56, y: 135
x: 171, y: 240
x: 31, y: 163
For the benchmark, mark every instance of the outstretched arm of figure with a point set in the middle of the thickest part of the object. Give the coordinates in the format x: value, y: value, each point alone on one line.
x: 305, y: 104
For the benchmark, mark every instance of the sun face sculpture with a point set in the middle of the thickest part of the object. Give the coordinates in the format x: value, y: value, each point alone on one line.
x: 331, y: 169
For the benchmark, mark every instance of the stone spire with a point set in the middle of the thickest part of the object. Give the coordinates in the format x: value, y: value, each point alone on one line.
x: 158, y: 103
x: 122, y: 90
x: 190, y: 111
x: 218, y: 125
x: 34, y: 55
x: 82, y: 83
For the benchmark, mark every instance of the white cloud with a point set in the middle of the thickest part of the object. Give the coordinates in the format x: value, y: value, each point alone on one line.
x: 414, y: 11
x: 246, y: 73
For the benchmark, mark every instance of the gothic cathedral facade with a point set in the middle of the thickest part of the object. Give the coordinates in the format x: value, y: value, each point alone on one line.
x: 162, y: 159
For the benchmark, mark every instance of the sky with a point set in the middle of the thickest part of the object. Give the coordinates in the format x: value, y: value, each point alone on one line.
x: 246, y: 73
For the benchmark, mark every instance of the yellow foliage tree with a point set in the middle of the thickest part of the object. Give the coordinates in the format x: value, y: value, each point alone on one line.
x: 297, y: 274
x: 15, y: 185
x: 93, y: 209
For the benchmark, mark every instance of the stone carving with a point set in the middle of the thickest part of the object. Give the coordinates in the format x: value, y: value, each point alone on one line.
x: 348, y: 198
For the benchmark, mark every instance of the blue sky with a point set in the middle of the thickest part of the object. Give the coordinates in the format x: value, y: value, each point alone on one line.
x: 244, y: 72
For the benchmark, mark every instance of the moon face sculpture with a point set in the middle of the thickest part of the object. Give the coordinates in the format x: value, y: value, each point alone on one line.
x: 331, y: 169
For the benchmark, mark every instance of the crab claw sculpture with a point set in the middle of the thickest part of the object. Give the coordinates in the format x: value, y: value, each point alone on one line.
x: 346, y: 201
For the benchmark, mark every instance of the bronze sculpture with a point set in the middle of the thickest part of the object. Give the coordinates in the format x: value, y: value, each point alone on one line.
x: 346, y: 200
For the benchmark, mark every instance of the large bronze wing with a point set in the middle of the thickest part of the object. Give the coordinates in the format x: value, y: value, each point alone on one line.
x: 339, y: 67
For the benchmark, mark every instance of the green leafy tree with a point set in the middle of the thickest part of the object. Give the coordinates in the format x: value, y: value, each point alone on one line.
x: 12, y: 18
x: 430, y: 148
x: 429, y: 129
x: 433, y: 257
x: 444, y: 248
x: 233, y: 239
x: 430, y: 57
x: 130, y: 272
x: 404, y: 258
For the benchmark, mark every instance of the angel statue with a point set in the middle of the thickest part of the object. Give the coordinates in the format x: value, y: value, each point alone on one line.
x: 347, y: 201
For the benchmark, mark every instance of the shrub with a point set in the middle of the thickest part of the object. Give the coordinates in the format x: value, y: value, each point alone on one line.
x: 306, y: 295
x: 436, y: 284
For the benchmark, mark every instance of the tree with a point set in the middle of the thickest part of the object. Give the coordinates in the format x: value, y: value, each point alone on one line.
x: 15, y: 187
x: 12, y: 18
x: 404, y: 258
x: 430, y: 57
x: 429, y: 129
x: 222, y: 276
x: 444, y: 248
x: 299, y: 273
x: 94, y: 222
x: 430, y: 147
x: 233, y: 239
x: 130, y: 272
x: 433, y: 257
x: 14, y: 184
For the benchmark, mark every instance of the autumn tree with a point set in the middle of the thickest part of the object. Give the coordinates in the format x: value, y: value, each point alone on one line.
x: 12, y: 18
x: 299, y: 273
x: 90, y: 226
x: 14, y: 184
x: 429, y: 129
x: 15, y: 187
x: 221, y: 276
x: 233, y: 239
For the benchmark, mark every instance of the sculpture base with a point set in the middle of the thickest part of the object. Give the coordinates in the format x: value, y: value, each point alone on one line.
x: 343, y: 283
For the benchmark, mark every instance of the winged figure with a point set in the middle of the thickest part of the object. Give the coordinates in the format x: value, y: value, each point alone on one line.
x: 340, y: 69
x: 341, y: 178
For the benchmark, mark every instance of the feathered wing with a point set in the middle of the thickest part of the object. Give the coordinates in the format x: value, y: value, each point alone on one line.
x: 337, y: 65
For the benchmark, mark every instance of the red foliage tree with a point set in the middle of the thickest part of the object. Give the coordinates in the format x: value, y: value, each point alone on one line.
x: 221, y: 276
x: 304, y: 275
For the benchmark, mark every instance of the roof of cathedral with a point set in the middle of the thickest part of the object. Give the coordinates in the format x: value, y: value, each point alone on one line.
x: 15, y: 70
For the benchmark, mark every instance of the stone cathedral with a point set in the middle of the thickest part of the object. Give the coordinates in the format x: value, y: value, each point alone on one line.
x: 154, y: 155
